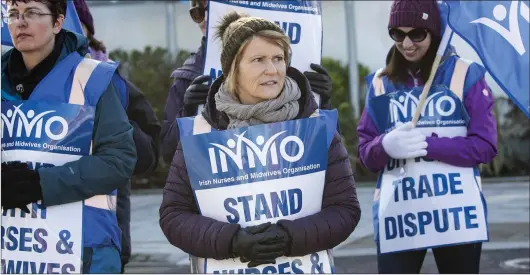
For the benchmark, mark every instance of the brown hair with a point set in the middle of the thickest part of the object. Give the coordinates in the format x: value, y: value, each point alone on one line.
x: 272, y: 37
x: 397, y: 66
x: 57, y: 7
x: 95, y: 44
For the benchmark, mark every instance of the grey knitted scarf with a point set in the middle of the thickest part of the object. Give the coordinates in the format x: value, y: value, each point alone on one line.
x: 282, y: 108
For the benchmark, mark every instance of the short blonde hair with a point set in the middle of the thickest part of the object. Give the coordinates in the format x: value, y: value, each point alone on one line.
x: 271, y: 36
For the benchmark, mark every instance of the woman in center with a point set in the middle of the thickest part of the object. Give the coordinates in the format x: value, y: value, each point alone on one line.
x: 257, y: 87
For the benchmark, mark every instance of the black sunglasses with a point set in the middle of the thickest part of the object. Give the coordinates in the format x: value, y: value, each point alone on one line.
x: 197, y: 14
x: 416, y: 35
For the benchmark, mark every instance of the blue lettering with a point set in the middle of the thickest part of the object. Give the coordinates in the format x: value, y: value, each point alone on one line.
x: 453, y: 182
x: 234, y: 218
x: 286, y: 202
x: 52, y: 266
x: 12, y: 233
x: 39, y: 165
x: 270, y: 270
x: 456, y: 216
x: 424, y: 218
x: 390, y: 224
x: 418, y: 159
x: 42, y: 267
x: 294, y: 266
x: 25, y: 267
x: 246, y: 207
x: 409, y: 218
x: 3, y: 234
x: 391, y: 164
x: 252, y: 270
x: 20, y: 239
x: 425, y: 187
x: 437, y: 223
x: 283, y: 268
x: 35, y: 208
x: 11, y: 269
x: 400, y: 226
x: 24, y: 239
x: 67, y: 269
x: 408, y: 187
x: 279, y: 204
x: 440, y: 188
x: 261, y: 207
x: 293, y: 30
x: 214, y: 74
x: 295, y: 205
x: 396, y: 189
x: 39, y: 233
x: 468, y: 216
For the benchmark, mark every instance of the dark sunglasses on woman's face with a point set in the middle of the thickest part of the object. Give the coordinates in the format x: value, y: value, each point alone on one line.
x: 416, y: 35
x: 197, y: 14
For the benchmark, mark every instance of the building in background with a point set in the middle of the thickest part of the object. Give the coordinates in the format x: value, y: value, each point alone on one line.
x: 135, y: 24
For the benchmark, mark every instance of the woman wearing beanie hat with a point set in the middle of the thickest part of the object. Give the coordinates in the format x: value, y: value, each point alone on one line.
x: 259, y: 87
x: 455, y: 133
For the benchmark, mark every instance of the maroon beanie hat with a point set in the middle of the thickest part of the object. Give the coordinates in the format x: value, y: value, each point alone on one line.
x: 84, y: 15
x: 423, y: 14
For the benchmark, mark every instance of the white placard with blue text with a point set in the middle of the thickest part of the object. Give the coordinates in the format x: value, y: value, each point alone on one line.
x: 300, y: 20
x: 43, y: 134
x: 260, y: 174
x: 433, y: 204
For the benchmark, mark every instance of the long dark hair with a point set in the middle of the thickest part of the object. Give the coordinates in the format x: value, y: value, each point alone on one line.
x: 95, y: 44
x: 397, y: 68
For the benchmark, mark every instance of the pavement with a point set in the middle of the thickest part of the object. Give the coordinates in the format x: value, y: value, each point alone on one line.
x: 507, y: 251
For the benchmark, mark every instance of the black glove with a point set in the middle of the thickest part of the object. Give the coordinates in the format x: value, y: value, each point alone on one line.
x: 195, y: 95
x: 320, y: 82
x: 285, y: 238
x: 20, y: 186
x: 254, y: 244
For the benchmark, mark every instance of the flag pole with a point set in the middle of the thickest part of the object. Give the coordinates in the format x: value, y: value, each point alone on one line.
x: 439, y: 54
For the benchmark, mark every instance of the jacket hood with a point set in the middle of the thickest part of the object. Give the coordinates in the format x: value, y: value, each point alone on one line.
x: 219, y: 120
x: 73, y: 42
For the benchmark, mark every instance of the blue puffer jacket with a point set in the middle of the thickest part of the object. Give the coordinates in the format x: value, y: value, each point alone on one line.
x: 109, y: 167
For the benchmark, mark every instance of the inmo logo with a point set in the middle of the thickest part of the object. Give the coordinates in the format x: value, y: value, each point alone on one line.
x: 20, y: 124
x: 437, y: 104
x: 253, y: 151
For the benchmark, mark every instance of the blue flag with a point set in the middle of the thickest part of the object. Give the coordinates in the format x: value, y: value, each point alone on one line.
x: 499, y: 33
x: 71, y: 22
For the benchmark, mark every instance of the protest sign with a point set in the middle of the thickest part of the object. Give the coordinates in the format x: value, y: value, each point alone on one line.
x: 422, y: 203
x: 260, y: 174
x: 430, y: 207
x: 44, y: 134
x: 300, y: 20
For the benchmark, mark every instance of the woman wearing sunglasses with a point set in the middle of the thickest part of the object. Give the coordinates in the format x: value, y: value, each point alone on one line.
x: 456, y: 132
x: 177, y: 104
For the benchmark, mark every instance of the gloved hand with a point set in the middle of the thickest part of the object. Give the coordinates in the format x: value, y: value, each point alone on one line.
x: 195, y: 95
x: 320, y: 82
x: 405, y: 142
x: 254, y: 244
x: 20, y: 186
x: 285, y: 238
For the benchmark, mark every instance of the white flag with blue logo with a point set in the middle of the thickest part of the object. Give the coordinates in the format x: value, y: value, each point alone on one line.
x: 71, y: 22
x: 499, y: 33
